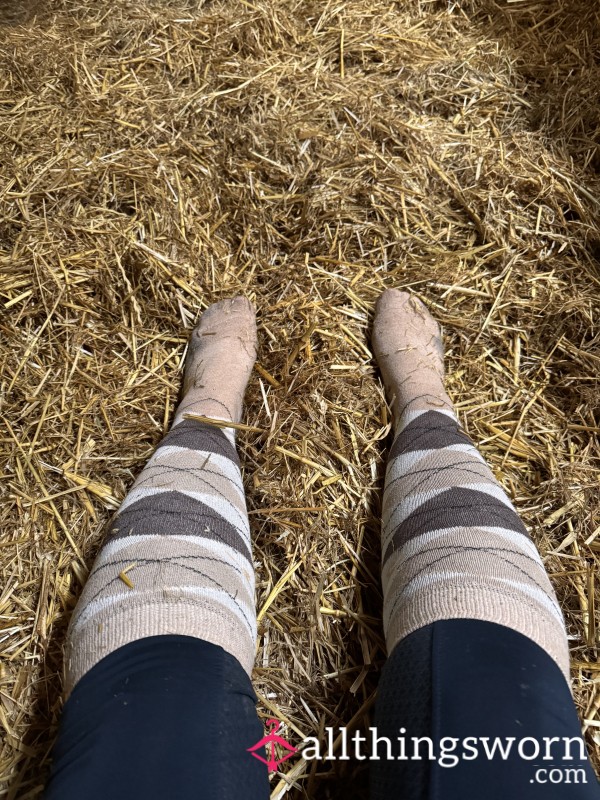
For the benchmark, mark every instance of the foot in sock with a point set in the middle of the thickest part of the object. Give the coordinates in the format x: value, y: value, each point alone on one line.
x: 408, y: 346
x: 453, y: 546
x: 221, y: 354
x: 178, y: 558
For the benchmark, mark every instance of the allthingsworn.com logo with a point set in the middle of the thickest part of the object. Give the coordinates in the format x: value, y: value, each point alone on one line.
x: 269, y: 742
x: 448, y: 752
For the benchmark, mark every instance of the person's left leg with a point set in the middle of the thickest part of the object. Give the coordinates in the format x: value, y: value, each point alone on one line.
x: 161, y: 645
x: 478, y: 651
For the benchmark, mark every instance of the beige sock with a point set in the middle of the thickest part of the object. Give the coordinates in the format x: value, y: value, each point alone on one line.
x: 221, y: 355
x: 453, y: 546
x: 178, y: 558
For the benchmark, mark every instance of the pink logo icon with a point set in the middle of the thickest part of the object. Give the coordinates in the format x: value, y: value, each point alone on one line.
x: 272, y: 739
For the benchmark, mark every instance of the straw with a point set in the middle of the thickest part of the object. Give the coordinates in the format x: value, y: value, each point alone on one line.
x: 157, y: 157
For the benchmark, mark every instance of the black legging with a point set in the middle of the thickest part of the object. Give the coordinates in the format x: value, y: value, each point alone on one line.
x: 473, y: 680
x: 173, y: 716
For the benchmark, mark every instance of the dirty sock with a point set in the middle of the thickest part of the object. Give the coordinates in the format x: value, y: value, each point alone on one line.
x: 178, y: 556
x: 453, y: 545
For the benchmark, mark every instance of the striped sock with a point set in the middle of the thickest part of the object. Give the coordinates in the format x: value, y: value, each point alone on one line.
x: 453, y: 545
x: 178, y: 558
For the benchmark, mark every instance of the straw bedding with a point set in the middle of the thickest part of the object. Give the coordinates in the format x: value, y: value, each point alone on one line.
x: 156, y: 157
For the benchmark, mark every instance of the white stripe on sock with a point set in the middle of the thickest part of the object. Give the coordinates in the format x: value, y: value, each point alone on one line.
x: 161, y: 598
x: 141, y: 546
x: 416, y: 545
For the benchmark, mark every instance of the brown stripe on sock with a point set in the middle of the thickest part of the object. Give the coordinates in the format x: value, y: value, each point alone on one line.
x: 453, y: 508
x: 174, y: 513
x: 429, y: 431
x: 200, y: 436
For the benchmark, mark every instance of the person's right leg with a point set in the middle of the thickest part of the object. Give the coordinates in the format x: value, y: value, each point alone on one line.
x: 161, y: 646
x: 475, y: 635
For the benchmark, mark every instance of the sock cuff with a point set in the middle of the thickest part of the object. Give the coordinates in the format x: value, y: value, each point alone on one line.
x: 485, y: 603
x: 90, y: 643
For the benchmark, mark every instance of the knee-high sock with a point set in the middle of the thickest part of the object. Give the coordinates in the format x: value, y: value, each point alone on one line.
x: 453, y: 546
x: 178, y: 558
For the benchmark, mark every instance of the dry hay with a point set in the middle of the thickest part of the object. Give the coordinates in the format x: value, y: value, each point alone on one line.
x: 158, y: 157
